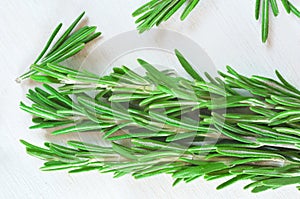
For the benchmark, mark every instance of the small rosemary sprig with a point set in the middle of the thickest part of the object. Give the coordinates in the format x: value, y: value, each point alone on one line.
x: 266, y: 167
x: 155, y: 12
x: 67, y: 45
x: 163, y: 123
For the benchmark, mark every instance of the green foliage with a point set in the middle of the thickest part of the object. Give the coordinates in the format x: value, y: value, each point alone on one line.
x: 67, y: 45
x: 158, y: 123
x: 155, y: 12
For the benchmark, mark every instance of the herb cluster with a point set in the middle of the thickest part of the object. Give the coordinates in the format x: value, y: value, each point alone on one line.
x: 232, y: 126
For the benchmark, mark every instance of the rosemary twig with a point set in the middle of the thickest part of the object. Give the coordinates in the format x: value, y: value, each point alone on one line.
x: 66, y: 46
x: 268, y: 168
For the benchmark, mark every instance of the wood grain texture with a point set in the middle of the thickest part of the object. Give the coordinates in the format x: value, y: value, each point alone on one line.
x: 225, y: 29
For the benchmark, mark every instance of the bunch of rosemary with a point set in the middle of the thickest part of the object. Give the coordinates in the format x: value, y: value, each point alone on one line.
x: 155, y: 12
x: 241, y: 128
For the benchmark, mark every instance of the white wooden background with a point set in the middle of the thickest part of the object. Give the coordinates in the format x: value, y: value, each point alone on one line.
x: 226, y: 29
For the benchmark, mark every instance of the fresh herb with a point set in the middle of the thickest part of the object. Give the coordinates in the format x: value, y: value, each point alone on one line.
x: 67, y: 45
x: 244, y: 128
x: 155, y: 12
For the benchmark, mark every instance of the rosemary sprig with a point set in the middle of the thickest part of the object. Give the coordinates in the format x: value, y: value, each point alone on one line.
x: 133, y: 106
x: 266, y: 4
x: 267, y: 168
x: 66, y: 46
x: 160, y: 123
x: 155, y: 12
